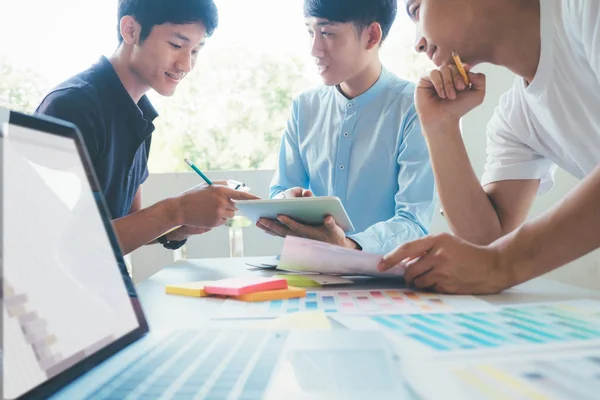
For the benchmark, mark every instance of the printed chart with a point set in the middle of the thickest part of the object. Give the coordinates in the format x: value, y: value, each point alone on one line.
x: 522, y: 327
x: 575, y: 375
x: 356, y: 302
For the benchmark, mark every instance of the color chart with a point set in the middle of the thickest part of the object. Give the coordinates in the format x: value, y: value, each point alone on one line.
x: 572, y: 375
x: 566, y: 378
x: 522, y: 327
x: 355, y: 302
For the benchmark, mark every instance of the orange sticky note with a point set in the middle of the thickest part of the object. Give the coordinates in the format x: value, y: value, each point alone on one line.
x: 244, y: 285
x: 289, y: 293
x: 192, y: 289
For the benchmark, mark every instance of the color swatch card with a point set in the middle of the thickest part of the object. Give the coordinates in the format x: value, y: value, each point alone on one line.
x: 244, y: 285
x: 305, y: 255
x: 523, y: 328
x: 570, y: 375
x: 356, y: 302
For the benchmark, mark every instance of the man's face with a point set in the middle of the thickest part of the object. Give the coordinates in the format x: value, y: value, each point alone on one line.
x: 339, y: 51
x: 442, y: 27
x: 167, y: 55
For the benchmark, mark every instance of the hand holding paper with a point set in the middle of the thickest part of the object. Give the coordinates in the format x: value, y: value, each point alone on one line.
x: 300, y: 254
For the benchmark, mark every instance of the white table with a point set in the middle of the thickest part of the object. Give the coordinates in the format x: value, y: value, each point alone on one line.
x: 185, y: 312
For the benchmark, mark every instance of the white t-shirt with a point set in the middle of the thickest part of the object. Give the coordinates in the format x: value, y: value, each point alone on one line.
x: 556, y: 119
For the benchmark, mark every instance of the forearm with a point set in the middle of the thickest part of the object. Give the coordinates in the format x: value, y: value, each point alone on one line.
x: 467, y: 207
x: 384, y: 237
x: 568, y: 231
x: 142, y: 227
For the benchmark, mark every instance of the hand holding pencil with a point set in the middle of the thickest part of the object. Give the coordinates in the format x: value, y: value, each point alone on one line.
x: 446, y: 94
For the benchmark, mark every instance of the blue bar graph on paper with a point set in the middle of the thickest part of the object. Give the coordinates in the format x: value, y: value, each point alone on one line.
x: 482, y: 331
x: 534, y: 331
x: 526, y: 320
x: 477, y: 340
x: 531, y: 326
x: 387, y: 322
x: 480, y: 321
x: 311, y: 296
x: 529, y: 338
x: 428, y: 342
x: 433, y: 332
x: 312, y: 305
x: 426, y: 319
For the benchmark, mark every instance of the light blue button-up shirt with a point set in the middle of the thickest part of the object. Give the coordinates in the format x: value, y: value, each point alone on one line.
x: 369, y: 152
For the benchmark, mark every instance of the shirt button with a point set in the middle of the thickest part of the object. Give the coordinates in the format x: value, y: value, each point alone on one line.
x: 345, y: 134
x: 341, y: 167
x: 349, y: 105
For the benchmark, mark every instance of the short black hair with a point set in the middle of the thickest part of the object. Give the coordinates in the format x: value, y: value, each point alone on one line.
x: 149, y: 13
x: 361, y: 13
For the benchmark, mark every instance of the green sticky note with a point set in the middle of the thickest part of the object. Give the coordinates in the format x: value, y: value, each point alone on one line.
x: 299, y: 280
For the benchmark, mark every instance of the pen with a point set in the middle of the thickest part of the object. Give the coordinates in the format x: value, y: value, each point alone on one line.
x: 461, y: 68
x: 192, y: 166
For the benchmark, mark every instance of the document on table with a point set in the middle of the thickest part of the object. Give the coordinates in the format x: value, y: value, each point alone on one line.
x: 300, y: 254
x: 552, y: 375
x: 517, y: 329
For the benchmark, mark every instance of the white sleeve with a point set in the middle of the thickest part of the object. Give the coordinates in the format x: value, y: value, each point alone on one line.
x: 508, y: 156
x: 583, y: 19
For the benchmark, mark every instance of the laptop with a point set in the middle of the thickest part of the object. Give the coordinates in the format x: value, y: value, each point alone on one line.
x: 73, y: 326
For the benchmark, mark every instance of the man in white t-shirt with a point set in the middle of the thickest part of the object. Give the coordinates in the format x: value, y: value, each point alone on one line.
x: 550, y: 117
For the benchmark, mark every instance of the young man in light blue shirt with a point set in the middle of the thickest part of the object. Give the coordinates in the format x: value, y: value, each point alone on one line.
x: 358, y: 137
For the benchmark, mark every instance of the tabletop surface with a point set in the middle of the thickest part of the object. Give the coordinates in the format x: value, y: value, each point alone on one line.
x: 179, y: 312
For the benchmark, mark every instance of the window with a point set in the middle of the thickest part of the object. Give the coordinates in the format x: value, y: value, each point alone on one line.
x: 227, y: 114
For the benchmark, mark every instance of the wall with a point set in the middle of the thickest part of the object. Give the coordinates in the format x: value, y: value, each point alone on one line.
x: 584, y: 272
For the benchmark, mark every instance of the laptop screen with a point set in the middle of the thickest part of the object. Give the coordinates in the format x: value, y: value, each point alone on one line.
x: 68, y: 301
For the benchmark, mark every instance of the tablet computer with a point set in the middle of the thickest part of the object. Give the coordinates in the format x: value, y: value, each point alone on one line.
x: 306, y: 210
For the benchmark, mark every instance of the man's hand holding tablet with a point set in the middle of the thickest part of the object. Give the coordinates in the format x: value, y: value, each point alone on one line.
x: 329, y: 231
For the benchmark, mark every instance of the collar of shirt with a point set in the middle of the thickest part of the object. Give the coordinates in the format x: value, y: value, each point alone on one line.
x: 351, y: 105
x: 142, y: 114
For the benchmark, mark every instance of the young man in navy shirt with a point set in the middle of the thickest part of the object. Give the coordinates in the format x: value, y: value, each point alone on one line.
x: 159, y: 41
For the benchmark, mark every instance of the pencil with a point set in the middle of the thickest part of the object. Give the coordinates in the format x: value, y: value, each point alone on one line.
x: 192, y: 166
x: 461, y: 68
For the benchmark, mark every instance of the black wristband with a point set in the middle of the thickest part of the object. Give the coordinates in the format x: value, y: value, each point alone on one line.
x: 170, y: 244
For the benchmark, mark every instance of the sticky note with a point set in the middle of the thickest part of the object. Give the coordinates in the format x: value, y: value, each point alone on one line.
x: 299, y: 280
x: 244, y: 285
x: 289, y: 293
x: 192, y: 289
x: 314, y: 280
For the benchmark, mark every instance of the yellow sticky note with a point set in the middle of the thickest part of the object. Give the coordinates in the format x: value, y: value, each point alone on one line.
x: 298, y: 320
x: 192, y: 289
x: 289, y: 293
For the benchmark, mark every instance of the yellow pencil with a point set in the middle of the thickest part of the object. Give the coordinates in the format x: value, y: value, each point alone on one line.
x: 461, y: 68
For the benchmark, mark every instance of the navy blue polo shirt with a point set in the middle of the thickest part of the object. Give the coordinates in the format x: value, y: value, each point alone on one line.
x: 116, y: 130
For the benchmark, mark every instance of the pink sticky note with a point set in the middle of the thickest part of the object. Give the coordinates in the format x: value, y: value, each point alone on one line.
x: 244, y: 285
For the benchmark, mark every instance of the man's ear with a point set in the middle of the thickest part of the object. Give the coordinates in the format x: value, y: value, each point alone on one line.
x: 374, y: 35
x: 130, y: 30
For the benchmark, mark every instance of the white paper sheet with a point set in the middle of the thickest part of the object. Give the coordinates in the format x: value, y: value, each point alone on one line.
x: 514, y: 329
x: 552, y: 375
x: 300, y: 254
